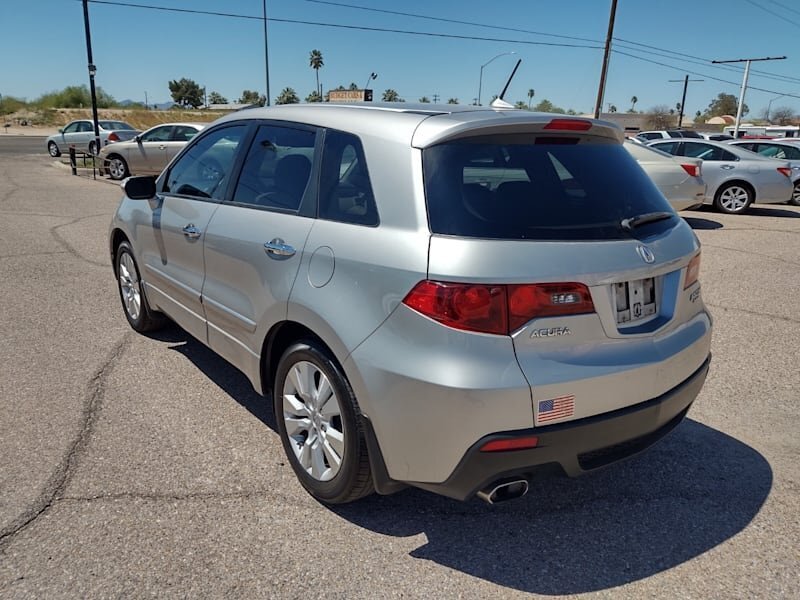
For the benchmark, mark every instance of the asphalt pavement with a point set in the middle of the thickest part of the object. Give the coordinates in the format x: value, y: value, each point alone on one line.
x: 135, y: 466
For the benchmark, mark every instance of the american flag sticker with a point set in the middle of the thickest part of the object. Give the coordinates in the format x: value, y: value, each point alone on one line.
x: 556, y: 408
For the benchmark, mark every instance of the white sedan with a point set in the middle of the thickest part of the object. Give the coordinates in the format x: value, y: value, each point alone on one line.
x: 678, y: 178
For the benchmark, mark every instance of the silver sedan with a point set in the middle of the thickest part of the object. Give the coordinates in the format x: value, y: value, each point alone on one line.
x: 149, y: 152
x: 782, y: 150
x: 736, y: 178
x: 678, y: 178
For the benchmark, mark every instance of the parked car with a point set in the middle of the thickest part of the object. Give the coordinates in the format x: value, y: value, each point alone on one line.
x: 148, y: 152
x: 715, y: 136
x: 664, y: 134
x: 679, y: 179
x: 781, y: 150
x: 450, y: 299
x: 735, y: 178
x: 80, y: 134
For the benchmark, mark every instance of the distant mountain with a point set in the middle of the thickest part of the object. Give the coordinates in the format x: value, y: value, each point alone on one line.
x: 156, y: 106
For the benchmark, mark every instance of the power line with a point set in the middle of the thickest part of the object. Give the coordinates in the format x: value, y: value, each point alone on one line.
x: 784, y: 7
x: 343, y: 26
x: 772, y: 12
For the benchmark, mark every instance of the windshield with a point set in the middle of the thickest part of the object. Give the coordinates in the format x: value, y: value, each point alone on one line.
x: 516, y: 187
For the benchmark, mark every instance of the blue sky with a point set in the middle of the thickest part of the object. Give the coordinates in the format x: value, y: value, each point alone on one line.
x: 139, y: 50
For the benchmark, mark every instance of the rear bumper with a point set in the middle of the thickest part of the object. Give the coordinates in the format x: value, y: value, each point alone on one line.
x: 577, y: 446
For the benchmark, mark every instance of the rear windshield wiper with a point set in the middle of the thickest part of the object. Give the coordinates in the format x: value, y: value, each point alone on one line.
x: 632, y: 222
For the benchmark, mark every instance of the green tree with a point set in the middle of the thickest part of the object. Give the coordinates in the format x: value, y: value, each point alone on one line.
x: 453, y: 101
x: 287, y: 96
x: 315, y: 62
x: 724, y: 104
x: 548, y: 107
x: 531, y: 94
x: 75, y: 96
x: 251, y: 97
x: 314, y: 97
x: 217, y: 98
x: 425, y: 100
x: 634, y: 100
x: 612, y: 108
x: 186, y: 93
x: 522, y: 105
x: 391, y: 96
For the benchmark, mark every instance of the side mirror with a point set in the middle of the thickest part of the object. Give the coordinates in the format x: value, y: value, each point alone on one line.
x: 60, y: 130
x: 140, y: 188
x: 137, y: 138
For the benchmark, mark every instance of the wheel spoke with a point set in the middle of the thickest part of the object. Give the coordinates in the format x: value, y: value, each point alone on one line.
x: 334, y: 443
x: 318, y: 466
x: 327, y: 403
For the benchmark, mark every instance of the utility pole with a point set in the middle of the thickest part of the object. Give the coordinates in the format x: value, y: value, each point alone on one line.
x: 606, y: 55
x: 266, y: 52
x: 686, y: 81
x: 92, y: 71
x: 747, y: 62
x: 436, y: 98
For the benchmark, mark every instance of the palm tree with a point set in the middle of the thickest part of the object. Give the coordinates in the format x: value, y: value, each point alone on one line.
x: 531, y: 94
x: 453, y: 101
x: 315, y: 62
x: 425, y: 100
x: 391, y: 96
x: 287, y: 96
x: 634, y: 100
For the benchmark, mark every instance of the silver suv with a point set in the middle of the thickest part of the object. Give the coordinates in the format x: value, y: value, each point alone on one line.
x: 454, y: 299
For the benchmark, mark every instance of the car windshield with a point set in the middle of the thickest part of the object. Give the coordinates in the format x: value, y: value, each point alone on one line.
x: 513, y: 187
x: 114, y: 125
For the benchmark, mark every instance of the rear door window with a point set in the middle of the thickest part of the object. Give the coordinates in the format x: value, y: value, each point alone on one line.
x: 513, y: 187
x: 345, y: 188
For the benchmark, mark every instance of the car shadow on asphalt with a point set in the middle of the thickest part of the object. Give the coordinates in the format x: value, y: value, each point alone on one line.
x: 698, y: 223
x: 232, y: 381
x: 771, y: 211
x: 693, y: 491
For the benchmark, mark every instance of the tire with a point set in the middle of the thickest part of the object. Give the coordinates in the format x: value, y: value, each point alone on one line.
x: 733, y: 198
x: 52, y: 150
x: 117, y: 168
x: 334, y: 466
x: 92, y: 147
x: 796, y: 194
x: 134, y: 303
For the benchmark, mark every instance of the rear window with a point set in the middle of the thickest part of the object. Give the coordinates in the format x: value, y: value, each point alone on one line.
x: 115, y: 125
x: 515, y: 187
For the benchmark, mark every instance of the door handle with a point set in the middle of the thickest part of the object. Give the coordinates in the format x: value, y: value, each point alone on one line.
x: 162, y: 147
x: 279, y: 249
x: 727, y: 167
x: 191, y: 232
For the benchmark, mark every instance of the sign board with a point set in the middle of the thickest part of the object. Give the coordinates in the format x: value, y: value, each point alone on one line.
x: 350, y: 95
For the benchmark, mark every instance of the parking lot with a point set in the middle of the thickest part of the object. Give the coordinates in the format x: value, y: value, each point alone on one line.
x: 138, y: 466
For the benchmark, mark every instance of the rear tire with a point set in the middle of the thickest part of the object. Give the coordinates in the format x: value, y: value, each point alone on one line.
x: 141, y: 317
x: 733, y: 198
x: 320, y: 425
x: 796, y: 194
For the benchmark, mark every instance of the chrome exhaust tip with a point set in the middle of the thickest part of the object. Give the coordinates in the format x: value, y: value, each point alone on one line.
x: 504, y: 491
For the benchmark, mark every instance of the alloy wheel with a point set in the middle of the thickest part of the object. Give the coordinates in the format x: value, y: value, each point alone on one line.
x: 129, y: 286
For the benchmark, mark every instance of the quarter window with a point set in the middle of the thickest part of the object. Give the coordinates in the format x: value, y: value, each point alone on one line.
x: 345, y: 188
x: 204, y: 170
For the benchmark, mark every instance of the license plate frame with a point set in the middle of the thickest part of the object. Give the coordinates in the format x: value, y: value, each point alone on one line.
x: 635, y: 300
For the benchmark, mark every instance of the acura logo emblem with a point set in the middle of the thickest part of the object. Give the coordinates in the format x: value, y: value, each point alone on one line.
x: 646, y: 254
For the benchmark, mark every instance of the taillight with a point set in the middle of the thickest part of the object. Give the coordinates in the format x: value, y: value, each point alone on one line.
x: 113, y: 137
x: 785, y: 171
x: 693, y: 170
x: 692, y: 272
x: 569, y: 125
x: 498, y: 309
x: 518, y: 443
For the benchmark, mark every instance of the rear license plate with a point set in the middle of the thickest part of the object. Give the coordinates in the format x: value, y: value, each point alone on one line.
x: 636, y: 300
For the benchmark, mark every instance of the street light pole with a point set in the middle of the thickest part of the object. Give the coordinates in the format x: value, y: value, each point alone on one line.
x: 747, y: 62
x: 266, y: 51
x: 769, y: 105
x: 480, y: 79
x: 92, y: 71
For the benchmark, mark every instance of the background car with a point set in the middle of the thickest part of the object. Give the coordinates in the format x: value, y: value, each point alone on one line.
x: 80, y: 134
x: 735, y: 177
x: 678, y: 178
x: 715, y: 136
x: 148, y: 152
x: 662, y: 134
x: 781, y: 150
x: 450, y: 299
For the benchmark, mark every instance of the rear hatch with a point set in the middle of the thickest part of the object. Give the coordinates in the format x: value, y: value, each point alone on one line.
x: 577, y: 255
